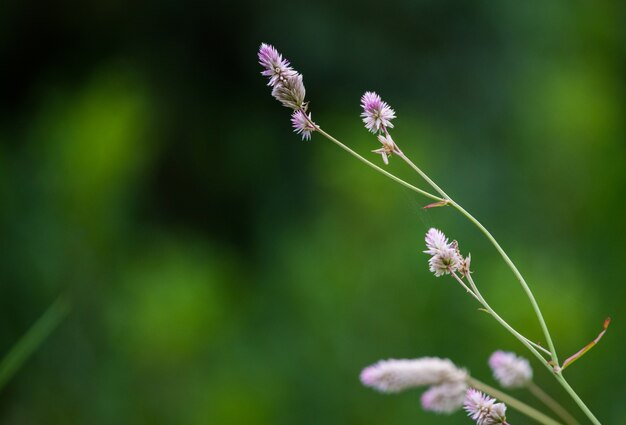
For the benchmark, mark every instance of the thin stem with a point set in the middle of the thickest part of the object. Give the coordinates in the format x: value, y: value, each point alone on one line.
x: 471, y: 291
x: 503, y: 322
x: 495, y: 243
x: 32, y: 339
x: 520, y: 278
x: 551, y: 403
x: 577, y: 399
x: 539, y: 347
x: 376, y: 167
x: 512, y: 402
x: 553, y: 367
x: 422, y: 174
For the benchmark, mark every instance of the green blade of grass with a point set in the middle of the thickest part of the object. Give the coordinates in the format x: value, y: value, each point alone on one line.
x: 33, y: 338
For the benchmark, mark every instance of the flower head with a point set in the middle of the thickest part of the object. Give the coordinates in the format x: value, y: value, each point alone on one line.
x: 444, y: 398
x: 302, y: 124
x: 388, y: 147
x: 445, y: 256
x: 483, y: 409
x: 276, y: 68
x: 286, y: 83
x: 376, y: 113
x: 436, y: 241
x: 510, y: 370
x: 290, y: 92
x: 392, y: 376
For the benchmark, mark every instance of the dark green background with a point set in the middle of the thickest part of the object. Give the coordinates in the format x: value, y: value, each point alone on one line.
x: 223, y: 272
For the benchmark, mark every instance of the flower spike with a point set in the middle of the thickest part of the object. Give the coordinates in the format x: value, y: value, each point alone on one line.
x: 377, y: 115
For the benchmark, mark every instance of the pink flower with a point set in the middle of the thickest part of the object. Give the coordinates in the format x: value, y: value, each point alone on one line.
x: 483, y: 409
x: 276, y: 68
x: 510, y: 370
x: 377, y: 114
x: 436, y: 241
x: 445, y: 256
x: 444, y: 398
x: 392, y: 376
x: 302, y: 124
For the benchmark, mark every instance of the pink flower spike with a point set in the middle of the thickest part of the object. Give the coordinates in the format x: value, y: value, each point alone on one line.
x: 483, y: 409
x: 436, y: 241
x: 445, y: 257
x: 276, y: 68
x: 376, y: 114
x: 510, y: 370
x: 444, y: 398
x: 392, y: 376
x: 302, y: 124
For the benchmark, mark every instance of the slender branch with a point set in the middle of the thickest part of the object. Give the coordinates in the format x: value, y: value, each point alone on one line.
x: 551, y: 403
x: 471, y: 291
x: 577, y: 399
x: 539, y: 347
x: 422, y: 174
x: 376, y: 167
x: 32, y: 339
x: 512, y: 402
x: 553, y: 365
x: 500, y: 320
x: 517, y: 274
x: 495, y: 243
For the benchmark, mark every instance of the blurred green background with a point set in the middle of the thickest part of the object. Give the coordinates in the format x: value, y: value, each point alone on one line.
x: 223, y: 272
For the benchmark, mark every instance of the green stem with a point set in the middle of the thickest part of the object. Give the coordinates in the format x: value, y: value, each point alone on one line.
x: 577, y: 399
x: 551, y: 403
x: 518, y: 275
x: 376, y: 167
x: 503, y: 322
x: 558, y: 375
x: 495, y: 243
x: 512, y: 402
x: 33, y: 338
x: 504, y: 255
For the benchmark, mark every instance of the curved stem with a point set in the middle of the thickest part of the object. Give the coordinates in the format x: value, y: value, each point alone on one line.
x: 518, y: 275
x: 577, y: 399
x: 503, y: 322
x: 444, y: 197
x: 422, y: 174
x: 551, y: 403
x: 539, y: 347
x: 495, y: 243
x: 512, y: 402
x: 376, y: 167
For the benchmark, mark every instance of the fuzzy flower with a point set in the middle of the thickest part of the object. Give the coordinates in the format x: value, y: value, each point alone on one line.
x: 290, y: 92
x: 392, y: 376
x: 376, y: 113
x: 444, y: 263
x: 436, y: 241
x: 510, y: 370
x: 444, y: 398
x: 302, y: 124
x: 388, y: 147
x: 445, y: 256
x: 276, y: 68
x: 483, y: 409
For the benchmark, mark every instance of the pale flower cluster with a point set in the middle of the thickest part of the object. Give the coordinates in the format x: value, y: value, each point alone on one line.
x: 445, y: 256
x: 447, y: 381
x: 483, y: 409
x: 287, y: 88
x: 510, y: 370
